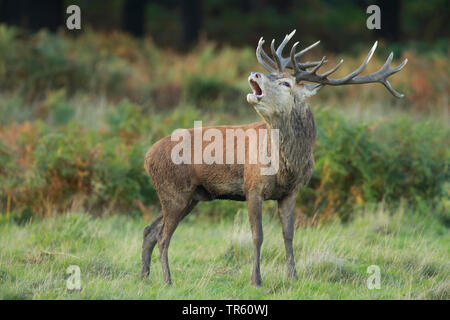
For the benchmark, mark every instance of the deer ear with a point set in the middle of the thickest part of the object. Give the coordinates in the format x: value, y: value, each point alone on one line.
x: 310, y: 90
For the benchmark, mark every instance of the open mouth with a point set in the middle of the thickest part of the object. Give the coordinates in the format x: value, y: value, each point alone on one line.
x: 256, y: 88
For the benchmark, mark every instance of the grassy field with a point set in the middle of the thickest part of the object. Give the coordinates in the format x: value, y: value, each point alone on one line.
x: 211, y: 258
x: 79, y: 113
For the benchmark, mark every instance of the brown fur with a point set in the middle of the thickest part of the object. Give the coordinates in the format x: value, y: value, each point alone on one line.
x: 181, y: 186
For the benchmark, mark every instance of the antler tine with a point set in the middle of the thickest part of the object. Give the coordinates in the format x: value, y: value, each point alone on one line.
x: 362, y: 66
x: 305, y: 65
x: 308, y: 64
x: 314, y: 70
x: 277, y: 63
x: 284, y: 61
x: 284, y: 42
x: 325, y: 74
x: 275, y: 56
x: 263, y: 58
x: 301, y: 53
x: 383, y: 74
x: 379, y: 76
x: 294, y: 64
x: 292, y: 56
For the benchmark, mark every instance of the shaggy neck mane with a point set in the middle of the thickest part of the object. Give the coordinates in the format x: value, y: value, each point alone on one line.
x: 297, y: 133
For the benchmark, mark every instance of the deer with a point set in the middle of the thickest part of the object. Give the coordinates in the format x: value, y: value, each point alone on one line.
x: 280, y: 99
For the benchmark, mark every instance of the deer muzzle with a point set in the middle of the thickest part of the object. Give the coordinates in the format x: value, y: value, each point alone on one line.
x: 255, y: 84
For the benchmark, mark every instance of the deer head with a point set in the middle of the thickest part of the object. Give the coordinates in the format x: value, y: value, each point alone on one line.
x: 276, y: 93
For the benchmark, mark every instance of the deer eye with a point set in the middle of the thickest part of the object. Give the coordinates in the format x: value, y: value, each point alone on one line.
x: 284, y: 83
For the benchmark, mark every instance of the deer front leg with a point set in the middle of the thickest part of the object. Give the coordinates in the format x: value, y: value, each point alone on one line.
x: 254, y: 207
x: 286, y: 214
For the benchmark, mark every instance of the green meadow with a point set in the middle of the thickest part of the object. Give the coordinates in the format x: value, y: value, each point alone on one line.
x: 79, y: 113
x: 212, y: 258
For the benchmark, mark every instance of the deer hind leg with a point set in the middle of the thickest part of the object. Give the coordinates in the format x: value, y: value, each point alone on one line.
x: 254, y: 207
x: 151, y: 233
x: 173, y: 213
x: 286, y: 214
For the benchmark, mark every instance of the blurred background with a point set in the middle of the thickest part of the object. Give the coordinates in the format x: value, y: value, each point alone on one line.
x: 79, y: 108
x: 181, y: 24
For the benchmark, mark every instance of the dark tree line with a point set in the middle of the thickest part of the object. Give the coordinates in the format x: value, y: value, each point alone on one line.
x: 390, y: 18
x: 50, y: 14
x: 34, y: 15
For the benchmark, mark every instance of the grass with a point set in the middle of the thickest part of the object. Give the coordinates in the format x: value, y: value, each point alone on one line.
x: 212, y: 258
x: 79, y: 113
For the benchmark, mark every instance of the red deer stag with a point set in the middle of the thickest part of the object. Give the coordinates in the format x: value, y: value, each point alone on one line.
x: 279, y: 98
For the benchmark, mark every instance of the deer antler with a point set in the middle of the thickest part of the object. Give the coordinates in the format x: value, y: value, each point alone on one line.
x: 352, y: 78
x: 301, y: 71
x: 281, y: 63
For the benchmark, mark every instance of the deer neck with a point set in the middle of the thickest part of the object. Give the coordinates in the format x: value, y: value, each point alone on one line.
x: 297, y: 135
